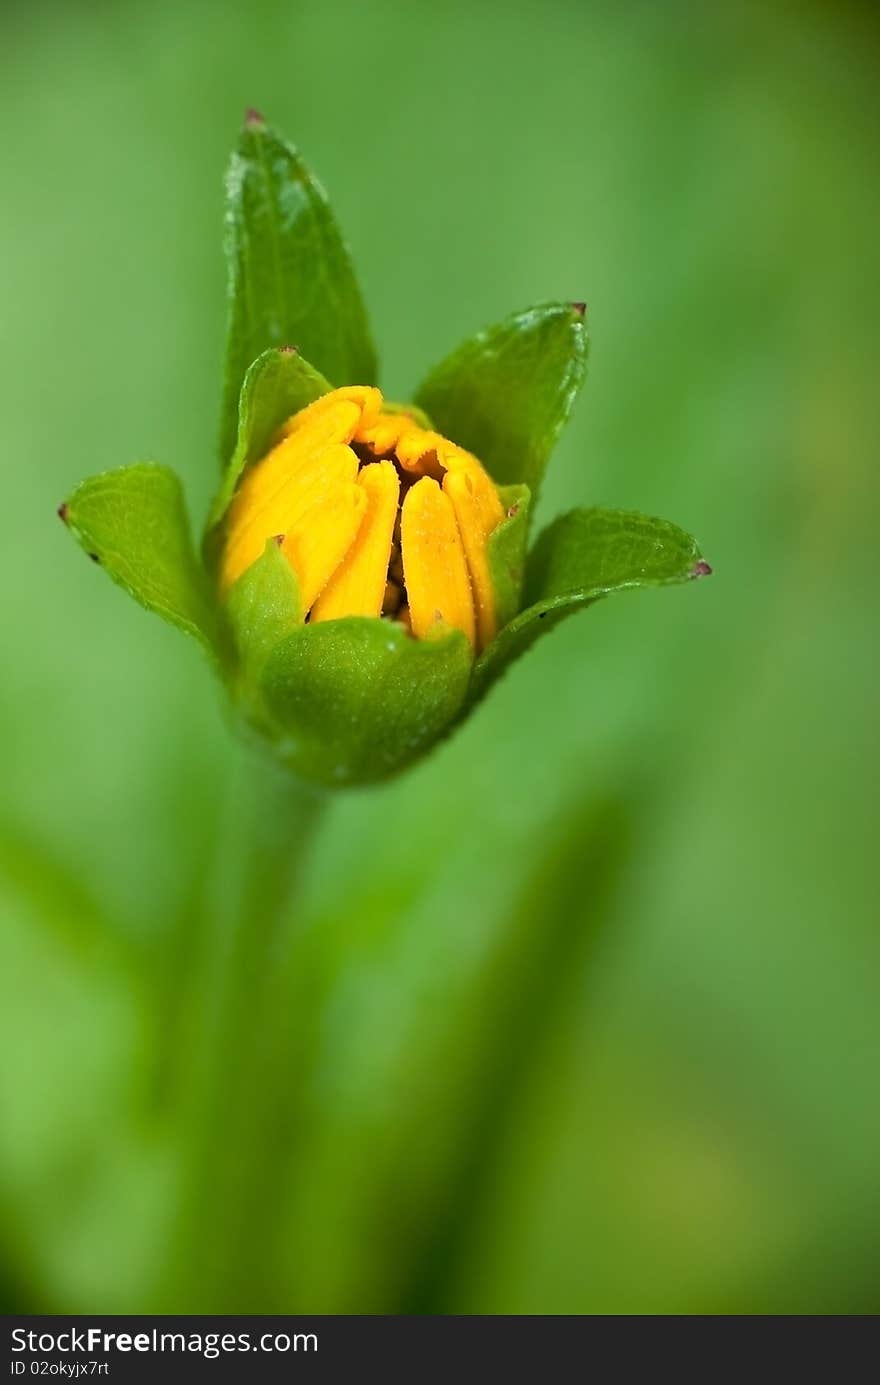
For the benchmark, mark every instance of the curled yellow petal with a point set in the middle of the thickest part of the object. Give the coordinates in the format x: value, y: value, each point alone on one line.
x: 435, y: 571
x: 333, y: 422
x: 457, y: 462
x: 358, y: 404
x: 477, y: 512
x: 478, y: 509
x: 318, y: 541
x: 273, y: 492
x: 419, y: 450
x: 308, y: 476
x: 425, y: 453
x: 357, y: 588
x: 381, y: 434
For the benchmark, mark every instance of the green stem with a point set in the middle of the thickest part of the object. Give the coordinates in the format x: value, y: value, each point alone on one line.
x: 223, y: 1245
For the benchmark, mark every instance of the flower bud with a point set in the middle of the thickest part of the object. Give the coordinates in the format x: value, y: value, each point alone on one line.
x: 366, y: 534
x: 376, y: 515
x: 365, y: 578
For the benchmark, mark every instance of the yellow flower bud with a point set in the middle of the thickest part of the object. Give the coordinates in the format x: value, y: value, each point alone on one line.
x: 375, y: 514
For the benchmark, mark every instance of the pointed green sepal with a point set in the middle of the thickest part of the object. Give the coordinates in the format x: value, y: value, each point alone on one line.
x: 260, y: 609
x: 133, y: 522
x: 506, y: 552
x: 291, y: 279
x: 506, y: 393
x: 355, y: 700
x: 580, y: 557
x: 277, y: 384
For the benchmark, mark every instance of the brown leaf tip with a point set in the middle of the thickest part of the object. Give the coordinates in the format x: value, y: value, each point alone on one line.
x: 278, y: 540
x: 63, y: 512
x: 579, y: 309
x: 289, y: 350
x: 253, y: 119
x: 701, y: 569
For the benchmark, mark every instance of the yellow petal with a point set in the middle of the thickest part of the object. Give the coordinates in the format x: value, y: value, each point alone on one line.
x: 477, y: 511
x: 457, y: 462
x: 261, y: 506
x: 309, y: 476
x: 365, y: 400
x: 418, y: 450
x: 434, y: 567
x: 381, y: 434
x: 333, y: 422
x: 425, y: 453
x: 357, y: 588
x: 318, y: 541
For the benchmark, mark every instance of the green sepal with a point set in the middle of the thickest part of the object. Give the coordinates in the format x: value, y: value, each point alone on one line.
x: 580, y: 557
x: 353, y: 701
x: 506, y: 552
x: 260, y: 609
x: 291, y: 279
x: 506, y: 393
x: 277, y: 384
x: 133, y: 522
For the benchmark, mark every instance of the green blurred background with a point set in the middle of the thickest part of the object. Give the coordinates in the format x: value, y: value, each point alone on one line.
x: 581, y: 1016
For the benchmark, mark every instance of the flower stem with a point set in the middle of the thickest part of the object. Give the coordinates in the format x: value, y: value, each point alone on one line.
x: 222, y: 1249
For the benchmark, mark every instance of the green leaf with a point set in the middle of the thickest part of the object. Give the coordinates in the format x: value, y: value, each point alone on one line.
x: 261, y: 608
x: 133, y: 522
x: 277, y: 384
x: 355, y: 700
x: 506, y: 393
x: 291, y: 280
x: 506, y: 552
x: 579, y: 558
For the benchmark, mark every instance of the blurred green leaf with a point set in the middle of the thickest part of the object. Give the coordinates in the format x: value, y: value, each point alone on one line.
x: 262, y: 606
x: 291, y: 280
x: 133, y: 522
x: 515, y: 993
x: 506, y: 393
x: 357, y: 699
x: 506, y: 552
x: 431, y: 1010
x: 57, y: 896
x: 581, y: 557
x: 277, y: 384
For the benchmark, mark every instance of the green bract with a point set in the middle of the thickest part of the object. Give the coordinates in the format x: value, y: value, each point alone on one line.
x: 355, y: 700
